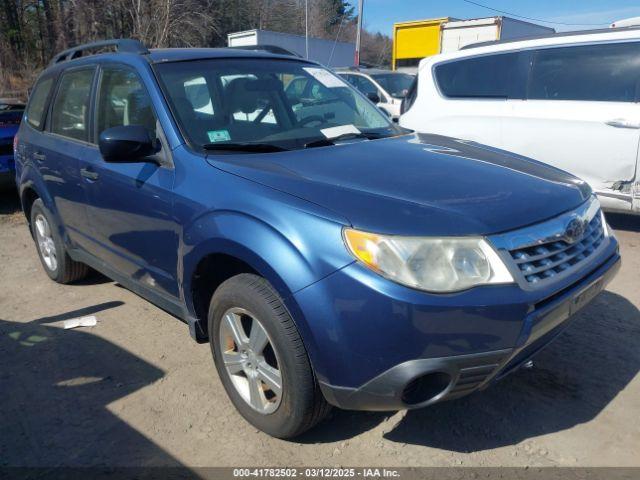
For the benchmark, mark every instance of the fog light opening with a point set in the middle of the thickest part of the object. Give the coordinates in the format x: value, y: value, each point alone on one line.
x: 426, y: 387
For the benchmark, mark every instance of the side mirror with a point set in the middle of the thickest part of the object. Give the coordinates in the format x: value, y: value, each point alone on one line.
x: 127, y: 144
x: 374, y: 97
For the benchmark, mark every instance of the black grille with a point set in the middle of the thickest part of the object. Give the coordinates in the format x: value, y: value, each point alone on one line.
x: 540, y: 262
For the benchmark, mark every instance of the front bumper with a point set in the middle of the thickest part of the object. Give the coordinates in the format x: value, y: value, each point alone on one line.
x: 379, y: 346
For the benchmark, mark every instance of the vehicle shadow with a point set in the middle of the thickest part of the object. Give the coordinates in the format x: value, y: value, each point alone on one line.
x: 9, y: 201
x: 574, y: 379
x: 56, y: 385
x: 630, y: 223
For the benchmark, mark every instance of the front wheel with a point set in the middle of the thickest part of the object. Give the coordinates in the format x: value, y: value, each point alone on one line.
x: 261, y: 360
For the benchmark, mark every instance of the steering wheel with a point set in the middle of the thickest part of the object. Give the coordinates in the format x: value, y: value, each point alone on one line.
x: 313, y: 118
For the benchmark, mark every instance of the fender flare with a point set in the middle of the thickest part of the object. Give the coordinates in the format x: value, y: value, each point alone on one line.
x: 262, y: 247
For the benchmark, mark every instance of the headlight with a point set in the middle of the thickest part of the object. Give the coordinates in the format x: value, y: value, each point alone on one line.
x: 440, y: 265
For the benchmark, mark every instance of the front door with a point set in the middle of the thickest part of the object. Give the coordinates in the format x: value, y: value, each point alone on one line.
x: 130, y: 204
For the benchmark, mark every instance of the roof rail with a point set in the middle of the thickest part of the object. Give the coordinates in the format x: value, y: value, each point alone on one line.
x: 574, y: 33
x: 125, y: 45
x: 275, y: 49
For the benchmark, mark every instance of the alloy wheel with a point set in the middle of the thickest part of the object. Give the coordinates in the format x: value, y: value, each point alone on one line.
x: 251, y: 360
x: 46, y: 244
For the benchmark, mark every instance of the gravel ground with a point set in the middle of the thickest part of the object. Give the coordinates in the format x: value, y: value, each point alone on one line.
x: 135, y: 390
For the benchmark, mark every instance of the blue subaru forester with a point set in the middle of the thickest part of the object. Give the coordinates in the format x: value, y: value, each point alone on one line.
x: 328, y: 256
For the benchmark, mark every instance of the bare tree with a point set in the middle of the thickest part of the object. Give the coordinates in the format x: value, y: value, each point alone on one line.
x: 32, y: 31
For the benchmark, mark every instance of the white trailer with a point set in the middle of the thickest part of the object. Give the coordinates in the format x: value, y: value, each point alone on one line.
x: 460, y: 33
x: 327, y: 52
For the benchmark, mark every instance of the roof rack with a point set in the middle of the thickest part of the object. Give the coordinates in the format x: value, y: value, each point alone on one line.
x: 549, y: 35
x: 267, y: 48
x: 125, y: 45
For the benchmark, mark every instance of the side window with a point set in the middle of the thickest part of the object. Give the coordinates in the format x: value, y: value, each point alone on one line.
x: 123, y: 100
x: 411, y: 97
x: 38, y: 103
x: 70, y: 114
x: 490, y: 76
x: 366, y: 86
x: 295, y: 89
x: 349, y: 78
x: 601, y: 73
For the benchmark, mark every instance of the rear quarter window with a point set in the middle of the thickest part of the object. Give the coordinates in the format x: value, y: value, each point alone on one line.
x: 38, y: 103
x: 604, y: 73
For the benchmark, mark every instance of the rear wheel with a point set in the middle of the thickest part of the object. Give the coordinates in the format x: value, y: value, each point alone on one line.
x: 261, y: 360
x: 53, y: 255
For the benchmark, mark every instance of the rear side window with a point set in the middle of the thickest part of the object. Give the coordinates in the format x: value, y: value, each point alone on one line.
x: 601, y: 73
x: 411, y: 97
x: 70, y: 114
x: 38, y: 103
x: 365, y: 85
x: 490, y: 76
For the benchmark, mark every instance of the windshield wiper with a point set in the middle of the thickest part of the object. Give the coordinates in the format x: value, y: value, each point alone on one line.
x: 244, y: 147
x: 326, y: 142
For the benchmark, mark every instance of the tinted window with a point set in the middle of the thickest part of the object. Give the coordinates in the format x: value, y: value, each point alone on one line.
x: 396, y: 84
x: 70, y: 114
x: 349, y: 78
x: 490, y: 76
x: 124, y: 101
x: 411, y: 97
x: 595, y: 72
x: 38, y: 102
x: 365, y: 85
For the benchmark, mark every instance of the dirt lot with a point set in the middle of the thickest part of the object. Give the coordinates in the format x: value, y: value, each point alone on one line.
x: 136, y: 390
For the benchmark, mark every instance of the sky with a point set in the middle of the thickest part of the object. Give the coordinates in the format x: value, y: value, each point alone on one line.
x: 380, y: 15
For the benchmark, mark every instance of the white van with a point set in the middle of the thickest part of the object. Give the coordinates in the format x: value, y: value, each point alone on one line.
x: 569, y: 100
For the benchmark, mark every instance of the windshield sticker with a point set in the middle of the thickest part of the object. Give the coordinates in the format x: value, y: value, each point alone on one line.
x: 335, y: 132
x: 219, y: 135
x: 325, y: 77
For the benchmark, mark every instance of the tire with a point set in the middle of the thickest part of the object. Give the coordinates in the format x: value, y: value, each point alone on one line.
x: 63, y: 269
x: 300, y: 405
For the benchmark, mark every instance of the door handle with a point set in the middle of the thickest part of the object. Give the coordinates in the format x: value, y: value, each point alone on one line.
x: 39, y: 157
x: 623, y: 123
x: 89, y: 175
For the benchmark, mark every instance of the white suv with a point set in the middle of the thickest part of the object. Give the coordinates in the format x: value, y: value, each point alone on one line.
x: 569, y: 100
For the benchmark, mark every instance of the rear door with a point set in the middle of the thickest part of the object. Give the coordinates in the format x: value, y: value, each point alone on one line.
x: 581, y: 113
x: 56, y: 151
x: 130, y: 204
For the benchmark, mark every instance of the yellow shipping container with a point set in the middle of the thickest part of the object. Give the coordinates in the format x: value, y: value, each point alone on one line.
x: 413, y: 41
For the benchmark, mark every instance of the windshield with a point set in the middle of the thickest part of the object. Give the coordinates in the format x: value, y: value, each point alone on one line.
x: 396, y: 84
x: 281, y: 103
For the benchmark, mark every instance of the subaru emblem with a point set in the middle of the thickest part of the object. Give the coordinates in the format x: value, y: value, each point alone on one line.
x: 575, y: 230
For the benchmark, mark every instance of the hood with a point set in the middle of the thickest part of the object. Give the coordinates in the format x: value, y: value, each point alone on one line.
x: 417, y: 184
